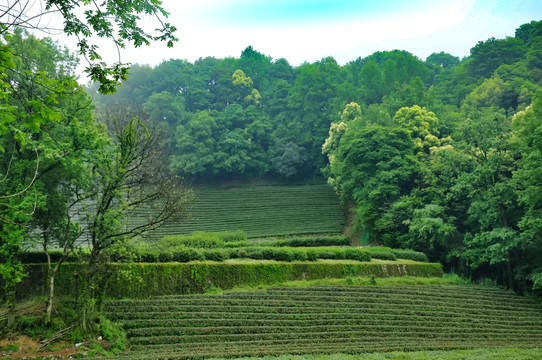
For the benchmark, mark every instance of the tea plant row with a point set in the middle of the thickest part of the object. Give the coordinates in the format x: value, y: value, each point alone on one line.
x: 260, y: 211
x: 327, y: 320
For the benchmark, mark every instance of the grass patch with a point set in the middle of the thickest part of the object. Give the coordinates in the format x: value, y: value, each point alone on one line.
x: 474, y: 354
x: 446, y: 280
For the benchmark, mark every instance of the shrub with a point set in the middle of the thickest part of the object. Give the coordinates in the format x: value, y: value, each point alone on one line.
x: 150, y: 257
x: 357, y: 254
x: 299, y: 255
x: 196, y: 240
x: 254, y: 253
x: 284, y: 255
x: 38, y: 256
x: 165, y: 256
x: 410, y: 255
x: 383, y: 255
x: 229, y: 236
x: 312, y: 255
x: 206, y: 240
x: 310, y: 241
x: 216, y: 254
x: 330, y: 253
x: 183, y: 254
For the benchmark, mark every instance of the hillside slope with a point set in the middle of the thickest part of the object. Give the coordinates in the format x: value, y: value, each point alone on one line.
x: 328, y: 320
x: 262, y: 211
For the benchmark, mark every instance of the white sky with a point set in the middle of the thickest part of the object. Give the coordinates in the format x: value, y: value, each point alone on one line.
x: 308, y: 30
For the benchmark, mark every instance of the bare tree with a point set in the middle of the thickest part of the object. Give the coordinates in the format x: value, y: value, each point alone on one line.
x: 132, y: 175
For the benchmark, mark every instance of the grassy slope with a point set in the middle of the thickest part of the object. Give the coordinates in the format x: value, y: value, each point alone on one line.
x: 263, y: 211
x: 331, y: 320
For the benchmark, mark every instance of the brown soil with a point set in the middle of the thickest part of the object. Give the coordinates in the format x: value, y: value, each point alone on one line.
x: 27, y: 347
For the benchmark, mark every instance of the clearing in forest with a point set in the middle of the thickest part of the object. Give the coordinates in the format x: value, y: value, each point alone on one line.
x: 262, y: 211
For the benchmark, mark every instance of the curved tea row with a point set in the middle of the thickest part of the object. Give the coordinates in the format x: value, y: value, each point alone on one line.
x: 327, y: 320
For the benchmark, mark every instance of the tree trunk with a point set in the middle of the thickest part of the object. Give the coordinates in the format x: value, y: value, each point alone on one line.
x: 10, y: 302
x: 509, y: 275
x: 50, y: 296
x: 11, y: 316
x: 50, y: 280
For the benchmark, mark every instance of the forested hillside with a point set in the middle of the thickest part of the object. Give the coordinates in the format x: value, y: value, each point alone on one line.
x: 442, y: 155
x: 437, y: 164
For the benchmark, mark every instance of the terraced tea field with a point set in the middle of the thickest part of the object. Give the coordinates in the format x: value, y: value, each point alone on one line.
x: 327, y: 320
x: 262, y: 211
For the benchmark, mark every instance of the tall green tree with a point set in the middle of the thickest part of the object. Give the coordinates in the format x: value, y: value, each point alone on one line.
x: 373, y: 167
x: 528, y: 177
x: 118, y: 22
x: 35, y: 82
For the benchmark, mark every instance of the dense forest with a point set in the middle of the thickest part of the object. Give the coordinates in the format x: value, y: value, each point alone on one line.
x: 441, y: 156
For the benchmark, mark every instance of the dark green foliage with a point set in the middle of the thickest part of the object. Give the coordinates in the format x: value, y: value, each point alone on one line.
x: 409, y: 255
x: 442, y: 59
x: 153, y: 254
x: 455, y: 185
x: 310, y: 241
x: 147, y: 280
x: 376, y: 166
x: 488, y: 55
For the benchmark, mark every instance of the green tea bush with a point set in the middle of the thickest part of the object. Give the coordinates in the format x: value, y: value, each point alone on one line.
x: 357, y: 254
x: 229, y: 236
x: 185, y: 254
x: 410, y: 255
x: 330, y: 253
x: 113, y: 333
x: 165, y: 256
x: 205, y: 240
x: 310, y: 241
x: 312, y: 255
x: 382, y: 255
x: 216, y: 254
x: 299, y: 255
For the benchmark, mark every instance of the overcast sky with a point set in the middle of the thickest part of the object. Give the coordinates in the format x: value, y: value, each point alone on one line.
x: 308, y: 30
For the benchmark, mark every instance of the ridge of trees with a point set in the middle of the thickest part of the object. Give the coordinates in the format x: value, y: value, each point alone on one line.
x: 437, y: 155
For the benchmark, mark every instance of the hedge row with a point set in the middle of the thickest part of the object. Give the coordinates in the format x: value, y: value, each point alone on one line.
x: 146, y: 280
x: 202, y: 239
x: 154, y: 254
x: 186, y: 254
x: 216, y: 240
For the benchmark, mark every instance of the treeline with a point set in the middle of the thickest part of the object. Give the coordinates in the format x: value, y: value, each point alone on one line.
x: 460, y: 177
x: 441, y: 156
x: 253, y: 116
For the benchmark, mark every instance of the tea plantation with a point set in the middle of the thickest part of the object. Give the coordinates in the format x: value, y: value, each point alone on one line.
x: 322, y: 320
x: 261, y: 211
